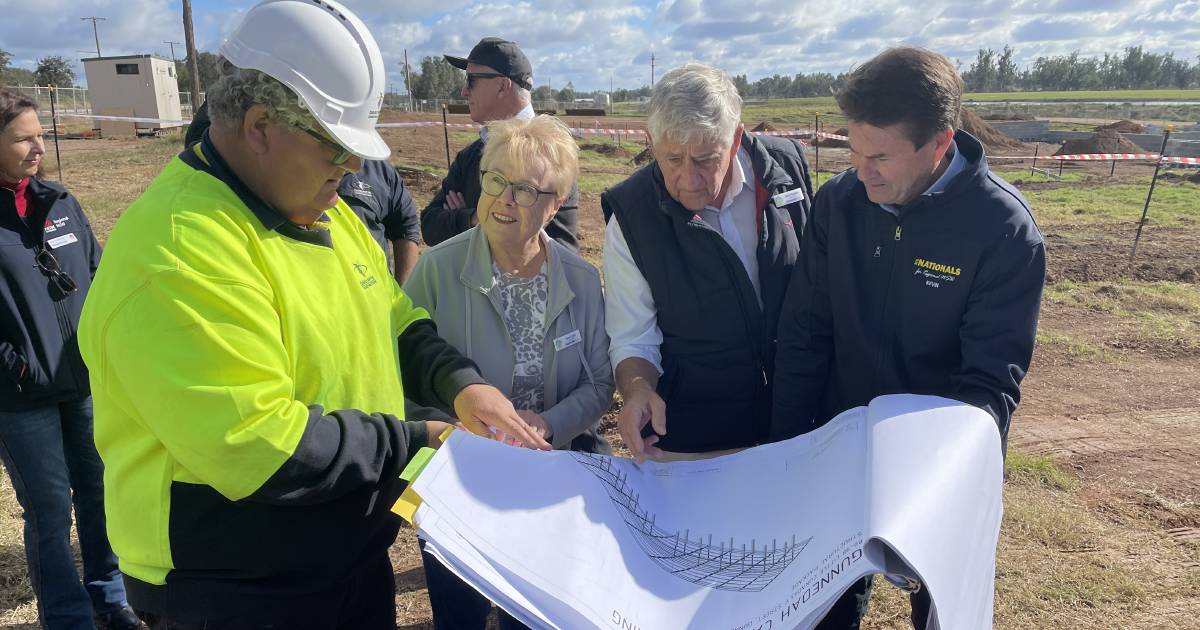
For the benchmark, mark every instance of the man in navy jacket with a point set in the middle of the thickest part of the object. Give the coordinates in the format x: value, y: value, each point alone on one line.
x: 919, y: 272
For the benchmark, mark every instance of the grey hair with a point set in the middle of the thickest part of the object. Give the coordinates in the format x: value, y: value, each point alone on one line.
x: 694, y: 100
x: 523, y: 95
x: 239, y: 89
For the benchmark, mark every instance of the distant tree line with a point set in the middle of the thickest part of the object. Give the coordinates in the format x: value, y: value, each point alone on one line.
x: 1132, y: 69
x: 995, y: 71
x: 991, y: 71
x: 435, y: 78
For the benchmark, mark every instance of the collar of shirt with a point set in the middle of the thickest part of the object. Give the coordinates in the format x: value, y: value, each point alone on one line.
x: 526, y: 113
x: 22, y: 197
x: 270, y: 218
x: 958, y: 163
x: 737, y: 181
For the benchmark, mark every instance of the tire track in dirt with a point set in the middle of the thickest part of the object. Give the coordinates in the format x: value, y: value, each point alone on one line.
x: 1157, y: 448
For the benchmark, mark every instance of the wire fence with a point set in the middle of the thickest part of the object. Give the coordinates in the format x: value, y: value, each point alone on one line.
x: 75, y: 100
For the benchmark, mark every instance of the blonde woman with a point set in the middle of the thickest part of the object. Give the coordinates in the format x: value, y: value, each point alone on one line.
x: 528, y: 311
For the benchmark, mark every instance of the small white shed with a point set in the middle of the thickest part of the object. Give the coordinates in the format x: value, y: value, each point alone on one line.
x: 134, y: 85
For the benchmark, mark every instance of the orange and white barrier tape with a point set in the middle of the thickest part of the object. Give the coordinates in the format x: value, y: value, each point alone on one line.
x: 1104, y: 157
x: 795, y: 133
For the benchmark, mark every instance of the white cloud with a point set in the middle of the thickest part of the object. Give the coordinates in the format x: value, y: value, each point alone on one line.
x: 589, y: 41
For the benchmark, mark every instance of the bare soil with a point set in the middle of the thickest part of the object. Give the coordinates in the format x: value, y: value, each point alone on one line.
x: 1107, y: 141
x: 1123, y: 126
x: 1091, y: 252
x: 1125, y: 423
x: 993, y: 140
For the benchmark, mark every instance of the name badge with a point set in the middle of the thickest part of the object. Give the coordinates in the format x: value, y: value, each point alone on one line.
x: 567, y: 340
x: 59, y: 241
x: 789, y: 196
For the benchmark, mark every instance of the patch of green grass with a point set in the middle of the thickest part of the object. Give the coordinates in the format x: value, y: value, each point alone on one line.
x: 1173, y: 203
x: 1076, y: 347
x: 592, y: 157
x: 1018, y: 176
x: 1036, y: 470
x: 462, y: 137
x: 1091, y: 584
x: 1087, y: 95
x: 1165, y: 312
x: 599, y: 182
x: 1049, y: 520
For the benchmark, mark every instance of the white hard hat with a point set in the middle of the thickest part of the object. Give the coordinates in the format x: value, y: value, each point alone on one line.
x: 326, y: 55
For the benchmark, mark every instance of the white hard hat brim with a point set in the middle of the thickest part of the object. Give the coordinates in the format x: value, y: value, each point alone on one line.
x: 366, y: 144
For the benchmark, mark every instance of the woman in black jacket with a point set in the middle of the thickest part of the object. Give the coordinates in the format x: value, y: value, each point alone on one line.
x: 48, y: 256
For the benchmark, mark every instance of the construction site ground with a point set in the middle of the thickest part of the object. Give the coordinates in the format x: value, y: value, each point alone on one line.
x: 1102, y: 519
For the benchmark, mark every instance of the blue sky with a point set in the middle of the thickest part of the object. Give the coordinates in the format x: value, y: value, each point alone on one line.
x: 588, y: 42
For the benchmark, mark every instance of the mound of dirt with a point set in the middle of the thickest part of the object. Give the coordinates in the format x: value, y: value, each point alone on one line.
x: 832, y: 143
x: 643, y: 157
x: 1009, y: 116
x: 764, y: 126
x: 611, y: 150
x: 1180, y: 176
x: 1123, y: 126
x: 992, y: 139
x: 1106, y: 141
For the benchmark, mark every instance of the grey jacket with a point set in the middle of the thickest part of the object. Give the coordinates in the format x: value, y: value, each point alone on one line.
x: 454, y: 282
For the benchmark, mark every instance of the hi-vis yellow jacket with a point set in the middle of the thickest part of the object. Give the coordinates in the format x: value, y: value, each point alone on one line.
x: 246, y: 375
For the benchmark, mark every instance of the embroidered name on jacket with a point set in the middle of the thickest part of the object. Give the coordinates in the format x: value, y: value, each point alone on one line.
x: 934, y: 272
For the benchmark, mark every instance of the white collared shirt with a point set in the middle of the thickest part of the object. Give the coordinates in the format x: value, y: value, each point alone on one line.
x: 630, y: 316
x: 526, y: 113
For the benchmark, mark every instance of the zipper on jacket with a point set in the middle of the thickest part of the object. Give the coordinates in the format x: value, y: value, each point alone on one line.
x: 755, y: 344
x: 884, y: 324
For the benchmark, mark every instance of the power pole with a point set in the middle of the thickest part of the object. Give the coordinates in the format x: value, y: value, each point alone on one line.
x: 95, y: 31
x: 408, y: 83
x: 193, y: 61
x: 172, y: 45
x: 651, y: 69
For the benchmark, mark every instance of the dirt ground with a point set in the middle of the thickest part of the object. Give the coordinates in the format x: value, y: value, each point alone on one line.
x: 1110, y: 399
x: 1127, y: 426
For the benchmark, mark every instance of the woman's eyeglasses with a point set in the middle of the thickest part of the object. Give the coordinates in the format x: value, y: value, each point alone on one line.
x: 49, y: 266
x: 341, y: 154
x: 525, y: 195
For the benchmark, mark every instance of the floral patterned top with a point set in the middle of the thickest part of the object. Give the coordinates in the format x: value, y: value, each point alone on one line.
x: 523, y: 306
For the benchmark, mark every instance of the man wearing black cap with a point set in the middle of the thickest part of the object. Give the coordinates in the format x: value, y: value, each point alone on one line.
x: 499, y: 79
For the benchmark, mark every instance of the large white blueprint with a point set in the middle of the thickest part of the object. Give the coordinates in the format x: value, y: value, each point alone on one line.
x: 764, y: 538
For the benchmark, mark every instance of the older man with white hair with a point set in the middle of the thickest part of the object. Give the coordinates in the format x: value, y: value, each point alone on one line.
x: 697, y: 256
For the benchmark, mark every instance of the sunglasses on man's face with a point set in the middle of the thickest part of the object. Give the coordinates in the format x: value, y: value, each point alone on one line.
x: 473, y: 76
x: 341, y: 154
x: 49, y: 266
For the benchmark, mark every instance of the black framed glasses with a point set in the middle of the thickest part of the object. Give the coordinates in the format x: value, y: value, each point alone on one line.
x: 49, y: 266
x: 524, y: 194
x: 472, y: 76
x: 341, y: 154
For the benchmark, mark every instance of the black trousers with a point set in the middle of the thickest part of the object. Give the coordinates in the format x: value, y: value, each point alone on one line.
x: 366, y: 601
x: 848, y: 611
x: 455, y: 605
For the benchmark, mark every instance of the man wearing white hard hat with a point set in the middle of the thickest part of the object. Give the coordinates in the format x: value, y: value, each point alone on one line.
x: 250, y: 352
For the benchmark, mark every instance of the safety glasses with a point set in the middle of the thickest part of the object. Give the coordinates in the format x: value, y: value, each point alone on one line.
x: 340, y: 154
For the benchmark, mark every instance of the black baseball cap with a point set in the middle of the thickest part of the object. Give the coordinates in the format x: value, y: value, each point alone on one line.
x: 501, y: 55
